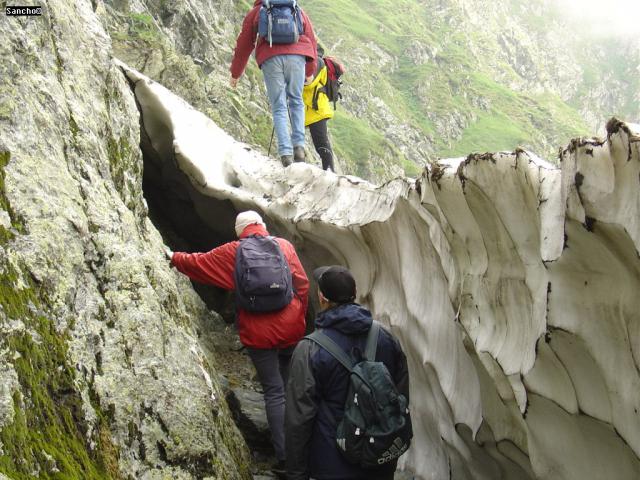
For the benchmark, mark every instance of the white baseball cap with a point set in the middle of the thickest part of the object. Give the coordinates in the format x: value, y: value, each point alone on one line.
x: 244, y: 219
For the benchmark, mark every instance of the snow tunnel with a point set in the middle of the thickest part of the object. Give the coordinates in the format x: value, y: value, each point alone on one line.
x: 511, y: 283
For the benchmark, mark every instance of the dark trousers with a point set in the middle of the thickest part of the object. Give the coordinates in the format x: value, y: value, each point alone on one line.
x: 320, y: 136
x: 272, y: 367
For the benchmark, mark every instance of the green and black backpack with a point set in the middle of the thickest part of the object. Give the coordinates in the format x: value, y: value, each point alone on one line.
x: 376, y: 427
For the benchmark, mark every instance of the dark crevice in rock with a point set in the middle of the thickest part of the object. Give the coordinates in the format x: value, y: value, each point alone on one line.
x: 162, y: 450
x: 142, y: 449
x: 589, y: 223
x: 98, y: 357
x: 174, y: 207
x: 173, y: 212
x: 247, y: 408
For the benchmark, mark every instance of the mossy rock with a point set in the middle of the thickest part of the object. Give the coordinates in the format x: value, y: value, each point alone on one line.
x: 49, y: 435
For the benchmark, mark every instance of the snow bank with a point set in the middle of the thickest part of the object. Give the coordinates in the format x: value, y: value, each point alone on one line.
x: 511, y: 283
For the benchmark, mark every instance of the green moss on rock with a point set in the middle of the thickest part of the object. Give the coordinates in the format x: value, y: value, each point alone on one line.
x: 139, y: 27
x: 16, y: 223
x: 73, y: 127
x: 49, y: 435
x: 7, y: 102
x: 119, y: 153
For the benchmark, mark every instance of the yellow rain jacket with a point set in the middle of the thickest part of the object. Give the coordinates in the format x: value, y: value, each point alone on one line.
x: 311, y: 91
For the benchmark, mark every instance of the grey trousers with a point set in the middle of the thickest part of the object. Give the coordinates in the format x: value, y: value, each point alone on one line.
x: 273, y: 371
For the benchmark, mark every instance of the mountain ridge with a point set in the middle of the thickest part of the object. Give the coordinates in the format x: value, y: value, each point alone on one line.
x: 463, y: 76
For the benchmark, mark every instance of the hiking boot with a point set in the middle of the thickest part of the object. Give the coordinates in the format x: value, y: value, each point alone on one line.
x: 298, y: 154
x: 286, y: 160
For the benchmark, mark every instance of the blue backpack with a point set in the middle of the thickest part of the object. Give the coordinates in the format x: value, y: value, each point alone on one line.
x: 262, y: 275
x: 280, y: 21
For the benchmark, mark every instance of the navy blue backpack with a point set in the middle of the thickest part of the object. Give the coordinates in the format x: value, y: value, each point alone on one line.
x: 262, y: 275
x: 280, y: 21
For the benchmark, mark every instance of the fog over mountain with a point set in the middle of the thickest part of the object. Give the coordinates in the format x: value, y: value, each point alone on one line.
x: 615, y: 18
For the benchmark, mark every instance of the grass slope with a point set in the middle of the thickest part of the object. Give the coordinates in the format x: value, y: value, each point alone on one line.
x: 453, y: 83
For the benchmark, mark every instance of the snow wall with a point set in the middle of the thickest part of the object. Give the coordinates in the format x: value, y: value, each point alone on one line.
x: 512, y: 284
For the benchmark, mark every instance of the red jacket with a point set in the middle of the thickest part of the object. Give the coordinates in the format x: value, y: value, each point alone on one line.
x: 246, y: 42
x: 257, y: 330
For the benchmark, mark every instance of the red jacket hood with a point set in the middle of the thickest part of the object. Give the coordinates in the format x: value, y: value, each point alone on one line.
x: 257, y: 2
x: 254, y: 228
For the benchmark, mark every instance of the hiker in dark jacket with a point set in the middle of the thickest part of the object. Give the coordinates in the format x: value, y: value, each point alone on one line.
x: 284, y: 67
x: 268, y: 336
x: 318, y: 383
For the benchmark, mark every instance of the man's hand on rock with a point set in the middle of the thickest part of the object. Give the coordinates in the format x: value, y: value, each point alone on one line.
x: 168, y: 253
x: 233, y: 82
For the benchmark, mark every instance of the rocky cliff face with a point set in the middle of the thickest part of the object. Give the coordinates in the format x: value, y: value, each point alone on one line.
x: 510, y: 282
x: 101, y: 372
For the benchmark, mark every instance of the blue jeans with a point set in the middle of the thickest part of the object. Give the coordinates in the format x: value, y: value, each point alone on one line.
x: 273, y: 372
x: 284, y: 79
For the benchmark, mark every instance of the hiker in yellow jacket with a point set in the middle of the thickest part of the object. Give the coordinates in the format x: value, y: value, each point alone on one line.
x: 318, y: 110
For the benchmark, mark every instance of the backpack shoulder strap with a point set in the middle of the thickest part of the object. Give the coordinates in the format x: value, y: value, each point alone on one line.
x: 332, y: 347
x: 372, y: 342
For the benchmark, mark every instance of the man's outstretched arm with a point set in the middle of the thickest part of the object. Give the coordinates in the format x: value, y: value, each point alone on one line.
x: 211, y: 268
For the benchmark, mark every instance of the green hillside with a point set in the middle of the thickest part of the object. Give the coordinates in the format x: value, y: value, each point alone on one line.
x: 494, y: 116
x: 425, y: 78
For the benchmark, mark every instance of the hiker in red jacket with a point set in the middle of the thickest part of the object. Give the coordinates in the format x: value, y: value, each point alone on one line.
x: 285, y: 68
x: 268, y: 336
